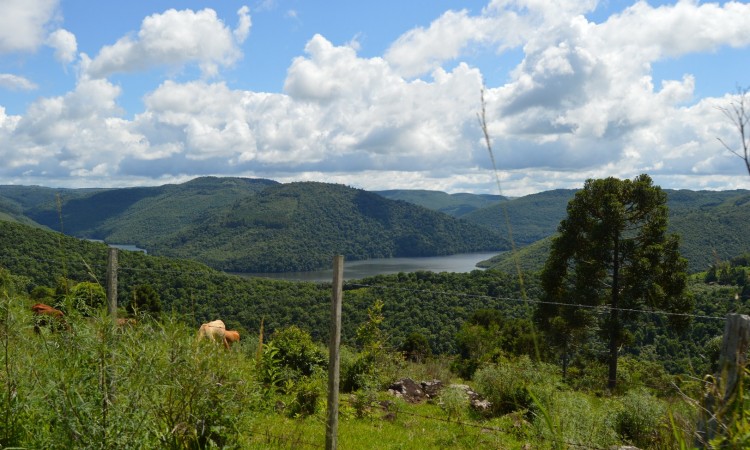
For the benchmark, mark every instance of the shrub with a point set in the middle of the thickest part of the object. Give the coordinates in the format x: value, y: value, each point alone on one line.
x: 297, y: 353
x: 575, y: 418
x: 416, y: 348
x: 307, y: 395
x: 454, y: 401
x: 87, y: 298
x: 506, y: 384
x: 376, y: 365
x: 639, y: 419
x: 145, y: 300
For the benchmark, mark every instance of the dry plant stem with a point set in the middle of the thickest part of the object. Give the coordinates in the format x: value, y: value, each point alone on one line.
x: 738, y: 113
x: 482, y: 116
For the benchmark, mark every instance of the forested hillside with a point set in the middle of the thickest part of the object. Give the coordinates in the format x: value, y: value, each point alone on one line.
x: 256, y: 225
x: 532, y: 217
x: 247, y: 225
x: 300, y: 226
x: 456, y: 205
x: 435, y: 306
x: 138, y: 215
x: 200, y: 293
x: 712, y: 227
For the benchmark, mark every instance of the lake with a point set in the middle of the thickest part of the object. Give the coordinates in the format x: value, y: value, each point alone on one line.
x: 354, y: 270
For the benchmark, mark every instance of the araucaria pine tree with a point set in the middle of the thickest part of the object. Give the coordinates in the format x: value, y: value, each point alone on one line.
x: 611, y: 260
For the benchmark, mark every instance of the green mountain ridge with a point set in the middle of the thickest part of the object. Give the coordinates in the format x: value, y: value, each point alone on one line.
x: 259, y: 225
x: 256, y: 225
x: 712, y: 226
x: 308, y: 223
x: 456, y: 205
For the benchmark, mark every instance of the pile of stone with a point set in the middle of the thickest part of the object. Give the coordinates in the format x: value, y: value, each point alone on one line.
x: 414, y: 392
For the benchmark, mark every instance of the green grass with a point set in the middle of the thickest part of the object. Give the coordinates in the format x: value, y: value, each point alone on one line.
x: 155, y: 386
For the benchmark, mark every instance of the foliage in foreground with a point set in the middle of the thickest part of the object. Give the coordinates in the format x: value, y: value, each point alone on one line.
x: 155, y: 386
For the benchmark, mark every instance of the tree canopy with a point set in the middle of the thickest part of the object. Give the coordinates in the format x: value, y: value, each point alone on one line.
x: 612, y: 253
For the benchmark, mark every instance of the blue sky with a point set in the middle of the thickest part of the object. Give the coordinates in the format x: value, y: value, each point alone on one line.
x: 377, y: 95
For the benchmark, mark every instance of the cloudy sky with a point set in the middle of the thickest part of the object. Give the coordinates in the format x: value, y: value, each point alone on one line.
x: 374, y: 95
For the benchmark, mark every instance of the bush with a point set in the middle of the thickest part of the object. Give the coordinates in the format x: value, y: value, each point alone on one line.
x: 416, y: 348
x: 145, y: 300
x: 297, y: 354
x: 454, y: 401
x: 506, y: 384
x: 640, y: 418
x: 87, y: 298
x: 575, y: 418
x: 307, y: 395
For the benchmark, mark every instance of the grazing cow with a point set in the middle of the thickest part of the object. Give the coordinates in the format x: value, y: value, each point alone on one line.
x: 47, y: 315
x: 215, y: 331
x: 230, y: 337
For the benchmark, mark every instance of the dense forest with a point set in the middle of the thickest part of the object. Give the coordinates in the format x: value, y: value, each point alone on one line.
x: 433, y: 305
x: 456, y: 205
x: 712, y: 225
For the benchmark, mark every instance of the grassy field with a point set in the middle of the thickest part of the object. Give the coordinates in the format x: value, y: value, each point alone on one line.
x: 153, y: 385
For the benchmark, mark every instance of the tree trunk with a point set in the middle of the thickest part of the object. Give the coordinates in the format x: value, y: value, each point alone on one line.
x: 614, y: 326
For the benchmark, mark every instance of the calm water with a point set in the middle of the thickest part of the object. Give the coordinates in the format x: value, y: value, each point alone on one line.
x: 355, y: 270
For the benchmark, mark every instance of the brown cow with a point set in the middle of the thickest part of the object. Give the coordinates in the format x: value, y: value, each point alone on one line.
x: 44, y: 313
x: 231, y: 336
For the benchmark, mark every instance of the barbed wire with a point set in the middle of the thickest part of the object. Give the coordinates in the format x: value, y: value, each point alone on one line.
x: 292, y: 440
x: 597, y: 308
x: 542, y: 302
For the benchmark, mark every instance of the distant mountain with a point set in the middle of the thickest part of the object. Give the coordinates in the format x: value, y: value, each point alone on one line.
x: 18, y: 202
x: 142, y: 215
x: 256, y: 225
x: 301, y: 226
x: 253, y: 225
x: 531, y: 218
x: 456, y: 205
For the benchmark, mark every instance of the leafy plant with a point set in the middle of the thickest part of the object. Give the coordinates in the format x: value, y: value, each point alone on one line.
x: 640, y: 418
x: 454, y: 401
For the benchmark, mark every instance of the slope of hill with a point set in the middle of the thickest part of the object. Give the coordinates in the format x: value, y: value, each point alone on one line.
x: 143, y: 215
x: 243, y: 225
x: 11, y: 211
x: 532, y: 217
x: 712, y: 226
x: 300, y: 226
x: 456, y: 205
x: 252, y: 225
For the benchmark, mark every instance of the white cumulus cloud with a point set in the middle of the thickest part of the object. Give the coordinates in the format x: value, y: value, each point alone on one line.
x: 22, y: 24
x: 65, y: 45
x: 243, y: 27
x: 582, y: 102
x: 172, y: 38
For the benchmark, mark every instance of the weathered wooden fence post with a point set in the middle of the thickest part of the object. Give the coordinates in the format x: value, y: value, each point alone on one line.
x: 732, y: 362
x: 332, y: 424
x: 112, y: 282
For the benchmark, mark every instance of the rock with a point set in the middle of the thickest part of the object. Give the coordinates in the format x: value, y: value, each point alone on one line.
x: 412, y: 392
x: 432, y: 388
x: 475, y: 400
x: 407, y: 389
